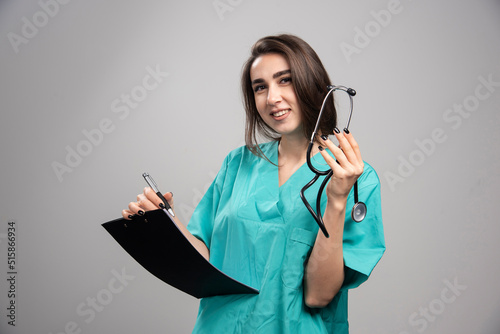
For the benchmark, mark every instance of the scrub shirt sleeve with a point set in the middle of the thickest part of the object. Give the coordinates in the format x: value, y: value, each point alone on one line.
x: 202, y: 221
x: 364, y: 242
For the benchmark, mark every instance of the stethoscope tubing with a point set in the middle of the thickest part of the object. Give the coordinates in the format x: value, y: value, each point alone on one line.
x: 317, y: 173
x: 329, y: 173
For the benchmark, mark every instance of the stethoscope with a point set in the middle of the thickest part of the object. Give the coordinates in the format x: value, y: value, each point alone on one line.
x: 358, y: 211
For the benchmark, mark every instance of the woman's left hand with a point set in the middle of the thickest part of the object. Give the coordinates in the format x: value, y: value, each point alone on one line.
x: 348, y: 166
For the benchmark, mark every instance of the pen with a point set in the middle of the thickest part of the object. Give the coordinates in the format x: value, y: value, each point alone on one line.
x: 153, y: 185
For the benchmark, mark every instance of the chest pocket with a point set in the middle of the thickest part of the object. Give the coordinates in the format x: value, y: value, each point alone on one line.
x: 298, y: 248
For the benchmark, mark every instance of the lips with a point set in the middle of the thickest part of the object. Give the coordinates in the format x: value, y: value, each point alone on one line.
x: 280, y: 113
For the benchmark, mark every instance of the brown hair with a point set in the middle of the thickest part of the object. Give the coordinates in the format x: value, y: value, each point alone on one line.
x: 309, y: 80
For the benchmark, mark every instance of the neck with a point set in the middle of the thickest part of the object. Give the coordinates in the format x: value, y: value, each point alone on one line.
x: 293, y: 148
x: 291, y: 155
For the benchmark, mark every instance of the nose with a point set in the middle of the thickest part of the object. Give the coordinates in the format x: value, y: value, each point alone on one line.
x: 274, y: 95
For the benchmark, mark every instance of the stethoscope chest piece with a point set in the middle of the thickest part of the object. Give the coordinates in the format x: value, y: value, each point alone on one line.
x: 358, y: 212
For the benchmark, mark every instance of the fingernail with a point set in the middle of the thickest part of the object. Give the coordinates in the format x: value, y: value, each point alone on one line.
x: 172, y: 194
x: 141, y: 213
x: 320, y: 148
x: 346, y: 131
x: 324, y: 137
x: 130, y: 216
x: 161, y: 205
x: 336, y: 130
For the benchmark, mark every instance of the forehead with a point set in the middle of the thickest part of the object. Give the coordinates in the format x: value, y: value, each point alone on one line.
x: 266, y: 65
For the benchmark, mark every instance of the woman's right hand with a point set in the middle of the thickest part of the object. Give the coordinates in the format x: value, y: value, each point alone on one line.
x: 146, y: 201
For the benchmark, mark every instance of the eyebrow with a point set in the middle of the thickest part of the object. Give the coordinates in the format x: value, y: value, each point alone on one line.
x: 275, y: 75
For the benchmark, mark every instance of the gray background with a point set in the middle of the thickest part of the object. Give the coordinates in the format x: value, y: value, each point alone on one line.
x: 439, y: 193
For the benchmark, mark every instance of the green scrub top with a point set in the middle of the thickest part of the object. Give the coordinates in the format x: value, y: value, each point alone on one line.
x: 262, y: 234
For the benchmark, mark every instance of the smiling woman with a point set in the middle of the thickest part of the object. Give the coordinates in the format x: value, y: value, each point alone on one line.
x: 308, y: 78
x: 274, y: 94
x: 251, y: 223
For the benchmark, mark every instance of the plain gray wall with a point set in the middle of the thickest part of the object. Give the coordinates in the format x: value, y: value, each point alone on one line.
x: 425, y: 116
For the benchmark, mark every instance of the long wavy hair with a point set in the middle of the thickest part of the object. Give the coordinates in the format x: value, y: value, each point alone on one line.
x: 309, y: 80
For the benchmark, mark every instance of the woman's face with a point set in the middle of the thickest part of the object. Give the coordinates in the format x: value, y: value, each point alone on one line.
x: 274, y: 95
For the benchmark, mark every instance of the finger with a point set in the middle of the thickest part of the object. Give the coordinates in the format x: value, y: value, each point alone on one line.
x: 145, y: 203
x: 337, y: 152
x: 346, y: 146
x: 127, y: 214
x: 354, y: 144
x: 135, y: 209
x: 355, y: 154
x: 152, y: 197
x: 336, y: 168
x: 170, y: 199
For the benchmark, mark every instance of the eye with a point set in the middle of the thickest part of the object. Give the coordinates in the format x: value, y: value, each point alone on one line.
x: 286, y: 80
x: 259, y: 88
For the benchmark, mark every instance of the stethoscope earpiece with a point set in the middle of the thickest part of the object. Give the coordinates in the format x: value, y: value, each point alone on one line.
x: 349, y: 91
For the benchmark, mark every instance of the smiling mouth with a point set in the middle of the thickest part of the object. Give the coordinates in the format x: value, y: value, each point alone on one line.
x: 280, y: 113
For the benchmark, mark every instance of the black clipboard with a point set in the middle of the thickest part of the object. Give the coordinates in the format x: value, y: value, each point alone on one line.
x: 155, y: 241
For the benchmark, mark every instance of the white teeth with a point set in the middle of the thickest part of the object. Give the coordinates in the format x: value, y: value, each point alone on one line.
x: 280, y: 113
